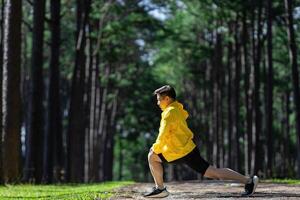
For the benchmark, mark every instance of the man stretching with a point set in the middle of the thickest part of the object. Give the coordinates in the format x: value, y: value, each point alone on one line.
x: 174, y: 144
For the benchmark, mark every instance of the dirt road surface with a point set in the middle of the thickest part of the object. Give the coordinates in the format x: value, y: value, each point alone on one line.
x: 211, y: 190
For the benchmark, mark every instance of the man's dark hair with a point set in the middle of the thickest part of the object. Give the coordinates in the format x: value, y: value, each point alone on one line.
x: 166, y: 90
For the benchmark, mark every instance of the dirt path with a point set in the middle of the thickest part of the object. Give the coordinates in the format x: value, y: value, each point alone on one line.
x: 211, y: 190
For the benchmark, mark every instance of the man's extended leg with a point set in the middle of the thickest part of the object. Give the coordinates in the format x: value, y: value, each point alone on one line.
x: 156, y: 168
x: 226, y: 174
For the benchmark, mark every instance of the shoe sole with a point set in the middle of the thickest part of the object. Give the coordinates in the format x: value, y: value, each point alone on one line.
x: 160, y: 195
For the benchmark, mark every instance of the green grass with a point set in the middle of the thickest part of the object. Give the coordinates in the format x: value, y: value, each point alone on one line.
x: 60, y: 191
x: 285, y: 181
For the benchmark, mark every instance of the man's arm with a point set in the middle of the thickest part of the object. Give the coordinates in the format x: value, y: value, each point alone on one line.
x: 167, y: 123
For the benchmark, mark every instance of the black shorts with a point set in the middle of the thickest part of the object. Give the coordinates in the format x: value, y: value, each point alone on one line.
x: 192, y: 159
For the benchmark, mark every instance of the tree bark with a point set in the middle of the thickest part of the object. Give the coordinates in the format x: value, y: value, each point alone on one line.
x: 1, y: 77
x: 256, y: 147
x: 236, y: 104
x: 229, y: 104
x: 87, y: 98
x: 207, y: 112
x: 11, y: 97
x: 216, y: 62
x: 121, y: 158
x: 96, y: 138
x: 269, y: 109
x: 25, y: 97
x: 109, y: 143
x: 53, y: 144
x: 36, y: 121
x: 76, y: 139
x: 286, y: 121
x: 248, y: 95
x: 102, y: 135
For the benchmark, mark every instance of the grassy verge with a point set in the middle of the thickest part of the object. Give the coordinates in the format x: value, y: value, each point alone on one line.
x: 285, y: 181
x: 60, y: 191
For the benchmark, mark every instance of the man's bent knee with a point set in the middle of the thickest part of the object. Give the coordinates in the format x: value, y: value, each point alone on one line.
x: 153, y: 157
x: 149, y: 156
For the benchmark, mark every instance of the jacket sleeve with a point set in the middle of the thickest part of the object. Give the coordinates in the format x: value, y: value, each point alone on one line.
x: 167, y: 123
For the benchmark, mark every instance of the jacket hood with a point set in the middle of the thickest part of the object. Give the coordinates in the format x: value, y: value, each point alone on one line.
x: 179, y: 106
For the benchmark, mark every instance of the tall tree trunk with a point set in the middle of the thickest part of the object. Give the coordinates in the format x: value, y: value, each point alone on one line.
x: 94, y: 122
x: 97, y: 142
x: 286, y: 121
x: 75, y: 168
x: 11, y: 97
x: 264, y: 107
x: 121, y: 157
x: 25, y: 97
x: 218, y: 65
x: 1, y: 77
x: 287, y: 132
x: 87, y: 99
x: 95, y: 100
x: 207, y: 112
x: 256, y: 148
x: 229, y: 104
x: 53, y: 143
x: 236, y: 112
x: 97, y: 138
x: 109, y: 143
x: 222, y: 110
x: 102, y: 126
x: 92, y: 110
x: 36, y: 124
x: 248, y: 95
x: 269, y: 109
x: 295, y: 73
x: 216, y: 62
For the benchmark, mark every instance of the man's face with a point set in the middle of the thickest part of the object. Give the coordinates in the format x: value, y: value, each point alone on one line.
x: 162, y: 101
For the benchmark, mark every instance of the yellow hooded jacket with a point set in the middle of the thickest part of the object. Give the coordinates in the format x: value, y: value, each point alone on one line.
x: 175, y: 138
